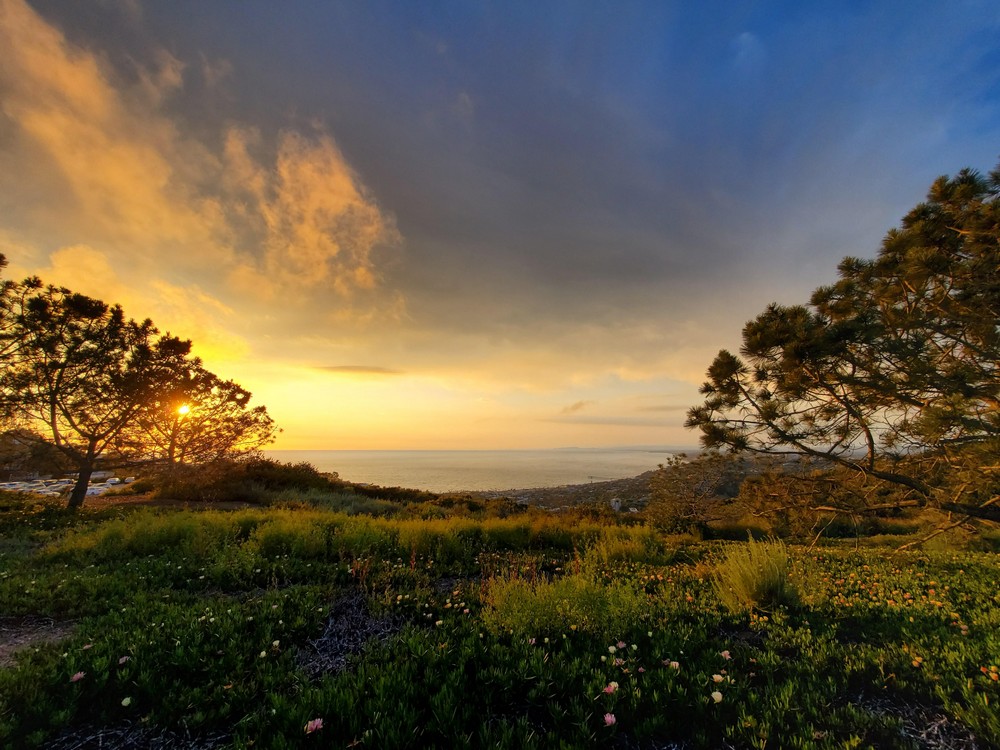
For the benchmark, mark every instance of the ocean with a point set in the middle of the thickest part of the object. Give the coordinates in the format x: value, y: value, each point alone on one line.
x: 448, y: 471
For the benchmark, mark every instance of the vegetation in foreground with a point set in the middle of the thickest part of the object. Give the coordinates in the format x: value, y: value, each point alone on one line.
x: 351, y: 617
x: 301, y: 627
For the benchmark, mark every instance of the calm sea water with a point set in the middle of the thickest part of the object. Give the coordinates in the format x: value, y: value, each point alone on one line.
x: 444, y: 471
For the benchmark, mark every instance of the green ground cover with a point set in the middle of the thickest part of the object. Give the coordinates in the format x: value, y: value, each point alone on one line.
x: 311, y: 628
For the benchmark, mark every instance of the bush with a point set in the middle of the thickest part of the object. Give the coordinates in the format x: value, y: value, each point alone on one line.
x: 562, y: 605
x: 348, y: 503
x: 623, y: 545
x: 754, y: 575
x: 254, y: 480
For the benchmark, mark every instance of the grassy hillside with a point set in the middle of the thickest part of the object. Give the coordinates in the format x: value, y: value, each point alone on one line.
x: 299, y: 627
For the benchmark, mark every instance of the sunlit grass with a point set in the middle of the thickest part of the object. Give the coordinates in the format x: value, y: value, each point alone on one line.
x: 501, y: 632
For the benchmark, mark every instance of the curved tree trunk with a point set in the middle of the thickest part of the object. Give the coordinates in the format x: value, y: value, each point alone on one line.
x: 80, y: 488
x: 86, y: 469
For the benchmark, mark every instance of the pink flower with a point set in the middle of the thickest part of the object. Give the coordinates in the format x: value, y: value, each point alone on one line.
x: 609, y: 720
x: 124, y: 659
x: 612, y: 687
x: 642, y: 669
x: 77, y: 677
x: 313, y: 725
x: 621, y: 644
x: 717, y: 677
x: 87, y: 645
x: 725, y: 655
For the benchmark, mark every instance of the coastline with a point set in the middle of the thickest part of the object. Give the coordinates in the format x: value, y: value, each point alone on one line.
x: 629, y: 492
x: 505, y: 472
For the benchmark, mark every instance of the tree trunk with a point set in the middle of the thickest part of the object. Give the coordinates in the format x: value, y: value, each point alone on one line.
x: 80, y: 488
x: 86, y: 469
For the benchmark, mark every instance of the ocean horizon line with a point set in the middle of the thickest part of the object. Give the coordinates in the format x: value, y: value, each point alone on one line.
x: 565, y: 448
x: 443, y: 470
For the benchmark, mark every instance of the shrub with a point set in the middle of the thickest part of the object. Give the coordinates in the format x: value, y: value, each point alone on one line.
x: 573, y: 602
x: 291, y: 535
x: 754, y: 575
x: 622, y: 545
x: 249, y: 480
x: 348, y: 503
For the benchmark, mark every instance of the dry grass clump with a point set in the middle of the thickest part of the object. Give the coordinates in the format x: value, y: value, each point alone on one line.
x: 755, y: 576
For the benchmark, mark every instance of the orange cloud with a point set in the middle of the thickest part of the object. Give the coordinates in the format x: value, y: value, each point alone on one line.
x: 255, y: 217
x: 113, y: 154
x: 187, y: 311
x: 316, y: 223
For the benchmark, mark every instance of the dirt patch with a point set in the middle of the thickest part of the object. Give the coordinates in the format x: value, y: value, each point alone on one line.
x: 137, y: 737
x: 18, y: 633
x: 349, y: 628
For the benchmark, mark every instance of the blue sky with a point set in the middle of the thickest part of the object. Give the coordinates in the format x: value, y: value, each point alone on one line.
x: 476, y: 224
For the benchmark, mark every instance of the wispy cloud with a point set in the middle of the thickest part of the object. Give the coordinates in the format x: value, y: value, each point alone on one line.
x: 358, y: 370
x: 311, y: 218
x: 609, y: 421
x: 255, y: 218
x: 578, y: 406
x: 186, y: 310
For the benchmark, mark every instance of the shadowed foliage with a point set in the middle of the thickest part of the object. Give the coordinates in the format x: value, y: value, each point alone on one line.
x: 892, y: 371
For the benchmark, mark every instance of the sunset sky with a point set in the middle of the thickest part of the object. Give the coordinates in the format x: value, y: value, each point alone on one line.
x: 475, y: 224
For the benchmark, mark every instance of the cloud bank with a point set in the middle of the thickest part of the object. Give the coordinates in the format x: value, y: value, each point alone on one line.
x: 235, y: 218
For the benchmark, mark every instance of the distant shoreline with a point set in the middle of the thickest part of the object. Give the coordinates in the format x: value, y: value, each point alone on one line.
x: 483, y: 471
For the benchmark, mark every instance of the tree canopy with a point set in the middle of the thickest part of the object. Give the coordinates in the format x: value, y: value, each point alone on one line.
x: 100, y: 386
x: 197, y: 419
x: 892, y: 371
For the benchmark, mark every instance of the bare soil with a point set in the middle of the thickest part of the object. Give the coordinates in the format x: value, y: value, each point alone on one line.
x: 18, y: 633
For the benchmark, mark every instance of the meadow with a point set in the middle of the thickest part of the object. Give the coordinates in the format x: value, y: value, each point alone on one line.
x: 308, y: 626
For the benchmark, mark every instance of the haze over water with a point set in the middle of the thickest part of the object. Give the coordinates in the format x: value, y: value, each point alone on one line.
x: 445, y: 471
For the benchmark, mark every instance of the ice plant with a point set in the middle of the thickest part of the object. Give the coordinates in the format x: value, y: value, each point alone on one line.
x: 611, y: 687
x: 313, y: 725
x: 717, y: 696
x: 77, y: 677
x: 609, y: 720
